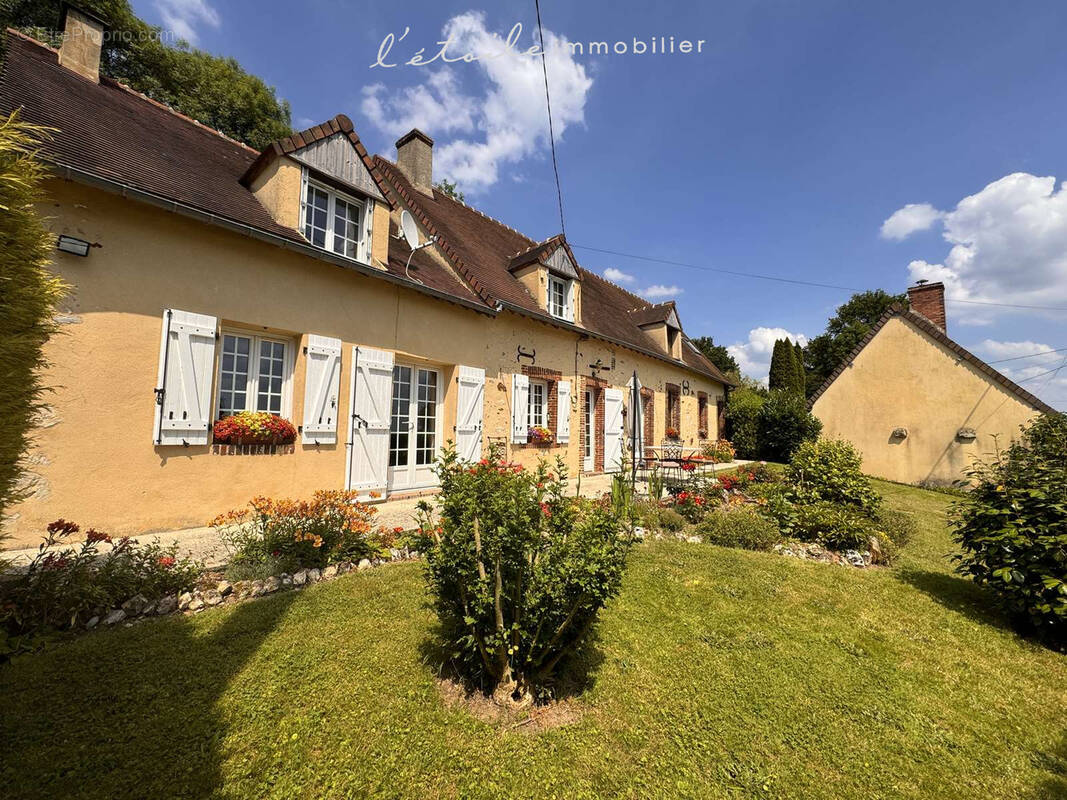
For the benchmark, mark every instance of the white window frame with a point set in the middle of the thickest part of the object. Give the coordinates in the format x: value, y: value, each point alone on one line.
x: 565, y: 312
x: 366, y: 209
x: 540, y: 407
x: 252, y: 386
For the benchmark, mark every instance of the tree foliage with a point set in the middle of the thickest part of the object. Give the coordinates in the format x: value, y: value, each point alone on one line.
x: 1013, y: 526
x: 742, y: 419
x: 212, y: 89
x: 445, y: 186
x: 719, y: 356
x: 784, y: 424
x: 844, y: 331
x: 28, y: 294
x: 786, y: 372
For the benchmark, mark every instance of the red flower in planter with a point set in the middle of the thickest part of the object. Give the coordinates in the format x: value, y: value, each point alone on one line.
x: 688, y: 467
x: 254, y: 427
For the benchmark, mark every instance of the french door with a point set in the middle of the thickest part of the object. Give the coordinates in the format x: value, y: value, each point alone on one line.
x: 414, y: 427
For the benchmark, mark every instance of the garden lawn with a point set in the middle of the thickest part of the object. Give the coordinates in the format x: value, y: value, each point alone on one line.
x: 717, y: 673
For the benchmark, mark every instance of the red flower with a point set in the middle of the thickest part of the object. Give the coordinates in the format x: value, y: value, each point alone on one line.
x: 92, y: 536
x: 167, y: 561
x: 398, y: 529
x: 546, y: 510
x: 63, y: 528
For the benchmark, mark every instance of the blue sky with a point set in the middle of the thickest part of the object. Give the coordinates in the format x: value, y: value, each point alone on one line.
x: 856, y: 144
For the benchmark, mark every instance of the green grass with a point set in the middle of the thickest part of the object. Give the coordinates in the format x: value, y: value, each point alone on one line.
x: 717, y: 673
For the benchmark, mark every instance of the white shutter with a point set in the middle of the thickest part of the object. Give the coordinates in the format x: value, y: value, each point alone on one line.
x: 563, y: 412
x: 368, y: 231
x: 568, y: 308
x: 183, y: 387
x: 322, y: 383
x: 469, y: 404
x: 613, y: 430
x: 372, y: 389
x: 520, y: 401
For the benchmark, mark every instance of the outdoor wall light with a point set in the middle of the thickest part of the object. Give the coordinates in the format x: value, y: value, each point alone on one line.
x: 77, y: 247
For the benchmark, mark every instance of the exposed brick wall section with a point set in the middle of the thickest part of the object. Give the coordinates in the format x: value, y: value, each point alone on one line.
x: 929, y: 300
x: 596, y: 386
x: 720, y: 419
x: 648, y: 399
x: 542, y: 372
x: 702, y: 412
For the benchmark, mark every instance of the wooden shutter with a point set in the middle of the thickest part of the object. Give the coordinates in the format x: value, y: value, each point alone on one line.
x: 563, y: 412
x: 520, y: 402
x: 613, y: 430
x: 469, y: 403
x: 372, y: 390
x: 183, y: 387
x: 322, y: 383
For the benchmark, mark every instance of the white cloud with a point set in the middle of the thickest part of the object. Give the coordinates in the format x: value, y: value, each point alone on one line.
x: 1034, y: 372
x: 1008, y: 245
x: 754, y: 356
x: 618, y: 276
x: 183, y: 16
x: 511, y: 112
x: 912, y: 218
x: 659, y: 290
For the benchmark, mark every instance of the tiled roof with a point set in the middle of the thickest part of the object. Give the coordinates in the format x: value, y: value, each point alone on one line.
x: 650, y: 315
x: 939, y: 336
x: 110, y: 132
x: 483, y: 250
x: 290, y: 144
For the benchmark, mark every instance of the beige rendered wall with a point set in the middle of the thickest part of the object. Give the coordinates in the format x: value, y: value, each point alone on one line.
x: 905, y: 379
x: 94, y: 460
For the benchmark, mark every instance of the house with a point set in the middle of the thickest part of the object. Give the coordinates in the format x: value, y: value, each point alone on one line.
x: 209, y: 278
x: 919, y: 407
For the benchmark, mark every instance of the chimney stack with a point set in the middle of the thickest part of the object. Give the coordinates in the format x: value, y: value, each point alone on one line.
x: 414, y: 157
x: 83, y: 38
x: 928, y: 299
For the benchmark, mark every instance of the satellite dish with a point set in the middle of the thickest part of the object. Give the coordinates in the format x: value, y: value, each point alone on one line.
x: 409, y: 229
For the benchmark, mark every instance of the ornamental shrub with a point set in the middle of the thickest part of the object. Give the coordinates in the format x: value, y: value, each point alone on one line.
x: 254, y: 427
x: 784, y: 424
x: 742, y: 420
x: 1012, y: 527
x: 517, y: 569
x: 829, y: 470
x: 278, y: 535
x: 739, y: 526
x: 63, y: 588
x: 666, y: 519
x: 836, y: 526
x: 718, y: 452
x: 29, y: 293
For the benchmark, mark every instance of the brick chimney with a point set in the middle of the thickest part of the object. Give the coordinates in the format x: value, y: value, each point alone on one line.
x: 928, y: 299
x: 414, y: 157
x: 83, y: 37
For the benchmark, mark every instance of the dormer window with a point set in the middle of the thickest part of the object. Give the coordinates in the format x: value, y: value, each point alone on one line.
x: 559, y: 298
x: 334, y: 221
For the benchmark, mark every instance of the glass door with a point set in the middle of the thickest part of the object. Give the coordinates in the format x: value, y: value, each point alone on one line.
x: 414, y: 427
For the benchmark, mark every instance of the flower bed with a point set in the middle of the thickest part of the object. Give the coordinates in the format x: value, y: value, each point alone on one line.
x: 254, y: 427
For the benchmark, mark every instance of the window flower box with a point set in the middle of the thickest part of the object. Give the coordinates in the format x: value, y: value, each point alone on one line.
x: 539, y: 435
x: 254, y: 427
x: 673, y: 433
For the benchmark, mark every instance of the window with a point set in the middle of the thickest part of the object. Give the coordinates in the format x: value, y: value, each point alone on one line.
x: 536, y: 415
x: 333, y: 221
x: 559, y: 291
x: 253, y: 374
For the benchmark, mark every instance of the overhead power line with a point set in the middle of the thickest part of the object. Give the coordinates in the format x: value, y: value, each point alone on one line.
x: 551, y: 133
x: 1029, y: 355
x: 794, y: 281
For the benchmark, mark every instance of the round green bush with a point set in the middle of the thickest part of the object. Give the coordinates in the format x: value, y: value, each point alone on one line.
x: 828, y: 470
x: 834, y: 525
x: 784, y: 424
x: 1013, y: 526
x: 739, y: 526
x: 667, y: 519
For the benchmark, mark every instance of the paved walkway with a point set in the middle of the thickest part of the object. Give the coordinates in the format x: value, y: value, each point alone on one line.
x: 203, y: 543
